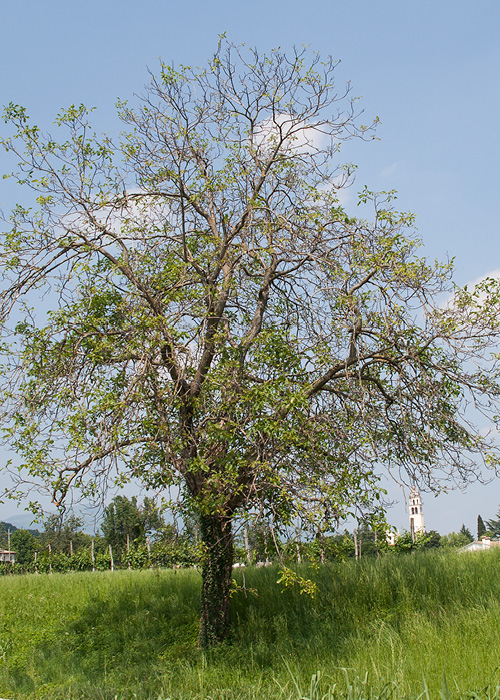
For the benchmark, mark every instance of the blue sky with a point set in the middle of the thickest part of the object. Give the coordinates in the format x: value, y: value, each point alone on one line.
x: 429, y: 69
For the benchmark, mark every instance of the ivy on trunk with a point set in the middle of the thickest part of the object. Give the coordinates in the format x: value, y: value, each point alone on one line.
x: 217, y: 567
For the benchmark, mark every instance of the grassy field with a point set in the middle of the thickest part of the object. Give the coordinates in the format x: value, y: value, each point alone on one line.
x: 133, y: 634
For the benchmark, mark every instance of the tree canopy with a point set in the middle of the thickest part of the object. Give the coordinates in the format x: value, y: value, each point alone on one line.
x: 124, y: 521
x: 493, y: 526
x: 215, y: 320
x: 481, y: 527
x: 25, y: 544
x: 63, y: 532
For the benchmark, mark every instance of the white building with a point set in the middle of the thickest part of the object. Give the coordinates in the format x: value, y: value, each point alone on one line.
x: 7, y: 555
x: 416, y: 515
x: 480, y: 545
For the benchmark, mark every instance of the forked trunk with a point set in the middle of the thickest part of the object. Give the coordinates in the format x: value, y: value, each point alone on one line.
x: 217, y: 569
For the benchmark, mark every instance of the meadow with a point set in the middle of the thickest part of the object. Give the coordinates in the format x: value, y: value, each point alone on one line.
x: 413, y: 626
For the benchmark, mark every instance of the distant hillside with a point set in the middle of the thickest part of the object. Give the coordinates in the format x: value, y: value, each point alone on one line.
x: 5, y: 527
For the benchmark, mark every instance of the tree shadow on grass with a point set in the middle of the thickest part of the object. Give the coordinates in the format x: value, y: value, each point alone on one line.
x: 116, y: 643
x: 140, y: 629
x: 280, y: 624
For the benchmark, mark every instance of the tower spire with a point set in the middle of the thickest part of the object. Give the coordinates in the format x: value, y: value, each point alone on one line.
x: 416, y: 515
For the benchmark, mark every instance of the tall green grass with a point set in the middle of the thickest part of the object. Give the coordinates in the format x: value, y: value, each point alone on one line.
x: 375, y: 629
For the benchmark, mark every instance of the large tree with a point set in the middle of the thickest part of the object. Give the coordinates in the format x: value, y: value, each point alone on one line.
x: 121, y: 523
x: 493, y: 526
x: 481, y: 527
x: 63, y: 533
x: 125, y: 521
x: 25, y: 544
x: 215, y: 320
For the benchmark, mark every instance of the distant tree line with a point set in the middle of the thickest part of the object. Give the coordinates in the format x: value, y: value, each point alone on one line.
x: 260, y: 543
x: 136, y: 535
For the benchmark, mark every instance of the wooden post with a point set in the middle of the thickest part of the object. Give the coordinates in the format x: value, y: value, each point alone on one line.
x: 71, y: 548
x: 111, y: 557
x: 321, y: 549
x: 128, y: 550
x: 264, y: 532
x: 247, y: 548
x: 8, y: 546
x: 297, y: 548
x: 297, y: 545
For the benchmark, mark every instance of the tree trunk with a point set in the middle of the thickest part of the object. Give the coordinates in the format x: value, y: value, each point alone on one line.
x: 217, y: 570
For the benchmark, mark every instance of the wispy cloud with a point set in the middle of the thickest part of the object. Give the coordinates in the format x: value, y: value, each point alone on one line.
x: 301, y: 137
x: 474, y: 286
x: 389, y: 170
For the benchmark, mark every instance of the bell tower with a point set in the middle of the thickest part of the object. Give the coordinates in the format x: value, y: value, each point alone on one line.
x: 416, y: 515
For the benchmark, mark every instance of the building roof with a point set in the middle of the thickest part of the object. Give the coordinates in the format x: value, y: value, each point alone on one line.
x: 480, y: 545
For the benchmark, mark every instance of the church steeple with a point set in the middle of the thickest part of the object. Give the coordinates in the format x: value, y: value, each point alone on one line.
x: 416, y: 515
